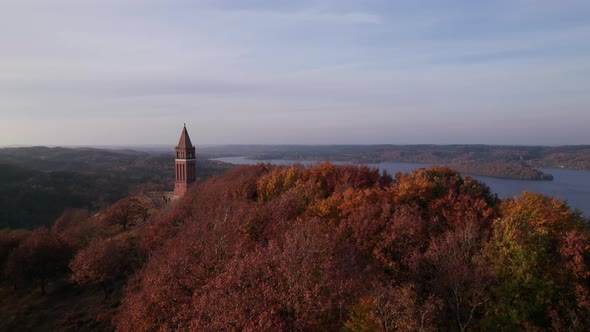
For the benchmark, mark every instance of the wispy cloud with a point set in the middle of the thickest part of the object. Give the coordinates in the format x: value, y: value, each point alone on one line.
x: 303, y: 16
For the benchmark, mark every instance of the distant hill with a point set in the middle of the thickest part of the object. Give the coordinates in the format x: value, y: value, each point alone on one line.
x: 38, y: 183
x: 514, y: 162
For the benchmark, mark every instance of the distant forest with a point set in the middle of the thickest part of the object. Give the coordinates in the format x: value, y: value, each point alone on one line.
x: 38, y: 183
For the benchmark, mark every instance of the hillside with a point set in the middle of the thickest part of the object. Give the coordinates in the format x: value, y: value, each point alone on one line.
x: 336, y: 248
x: 38, y: 183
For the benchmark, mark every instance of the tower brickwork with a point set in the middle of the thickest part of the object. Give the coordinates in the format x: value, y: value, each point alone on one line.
x: 185, y: 164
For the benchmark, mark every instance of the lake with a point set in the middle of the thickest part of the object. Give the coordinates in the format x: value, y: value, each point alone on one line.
x: 567, y: 185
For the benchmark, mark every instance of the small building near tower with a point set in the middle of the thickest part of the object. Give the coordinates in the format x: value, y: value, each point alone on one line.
x: 185, y: 164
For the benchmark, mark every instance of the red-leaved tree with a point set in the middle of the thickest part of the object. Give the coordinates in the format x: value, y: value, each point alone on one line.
x: 103, y: 262
x: 39, y: 258
x: 126, y: 211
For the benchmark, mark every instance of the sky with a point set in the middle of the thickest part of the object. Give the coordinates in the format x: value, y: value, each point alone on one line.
x: 128, y: 72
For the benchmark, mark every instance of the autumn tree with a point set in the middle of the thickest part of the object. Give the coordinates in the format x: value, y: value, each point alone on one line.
x: 9, y: 241
x: 227, y: 238
x: 306, y: 280
x: 573, y: 307
x: 39, y: 258
x: 427, y: 228
x: 103, y: 262
x: 78, y: 228
x: 278, y: 181
x: 459, y: 273
x: 444, y: 197
x: 159, y: 296
x: 527, y: 251
x: 394, y: 308
x: 68, y: 218
x: 126, y: 211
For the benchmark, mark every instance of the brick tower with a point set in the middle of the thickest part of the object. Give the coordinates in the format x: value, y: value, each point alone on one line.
x: 185, y: 164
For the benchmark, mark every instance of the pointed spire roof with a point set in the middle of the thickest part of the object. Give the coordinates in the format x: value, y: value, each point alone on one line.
x: 185, y: 140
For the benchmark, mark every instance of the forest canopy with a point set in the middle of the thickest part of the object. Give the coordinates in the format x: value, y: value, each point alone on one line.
x: 337, y: 248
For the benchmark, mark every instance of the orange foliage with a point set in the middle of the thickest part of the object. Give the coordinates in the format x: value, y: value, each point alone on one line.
x: 445, y: 197
x: 394, y: 309
x: 303, y: 237
x: 547, y: 215
x: 331, y: 248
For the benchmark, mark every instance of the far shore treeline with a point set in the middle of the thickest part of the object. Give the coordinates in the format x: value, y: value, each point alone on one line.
x: 510, y: 162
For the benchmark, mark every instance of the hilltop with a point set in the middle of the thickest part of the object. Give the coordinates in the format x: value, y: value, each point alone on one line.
x: 309, y: 248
